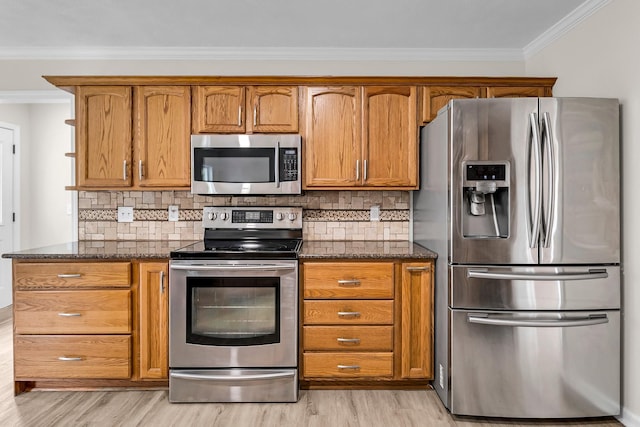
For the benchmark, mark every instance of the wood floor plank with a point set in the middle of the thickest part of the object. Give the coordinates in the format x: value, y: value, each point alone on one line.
x: 315, y: 408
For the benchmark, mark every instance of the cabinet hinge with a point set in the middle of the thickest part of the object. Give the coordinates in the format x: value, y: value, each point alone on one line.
x: 14, y: 216
x: 13, y: 148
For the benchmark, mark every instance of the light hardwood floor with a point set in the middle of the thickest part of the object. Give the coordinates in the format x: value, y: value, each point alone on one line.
x: 321, y: 408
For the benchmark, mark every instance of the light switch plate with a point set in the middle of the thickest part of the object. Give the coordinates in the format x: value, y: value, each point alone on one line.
x: 125, y: 214
x: 174, y: 213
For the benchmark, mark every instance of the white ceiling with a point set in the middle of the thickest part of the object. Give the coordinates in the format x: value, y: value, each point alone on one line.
x: 305, y: 29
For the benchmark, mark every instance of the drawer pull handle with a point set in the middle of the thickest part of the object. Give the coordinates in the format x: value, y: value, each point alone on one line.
x: 69, y: 276
x: 70, y: 359
x: 354, y: 367
x: 349, y: 340
x: 69, y: 314
x: 349, y: 282
x: 348, y: 314
x: 426, y: 268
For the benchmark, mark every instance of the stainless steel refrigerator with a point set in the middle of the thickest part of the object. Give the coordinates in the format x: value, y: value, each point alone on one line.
x: 521, y: 200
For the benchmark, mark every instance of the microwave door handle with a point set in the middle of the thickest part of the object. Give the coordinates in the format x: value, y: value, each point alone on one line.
x: 277, y: 164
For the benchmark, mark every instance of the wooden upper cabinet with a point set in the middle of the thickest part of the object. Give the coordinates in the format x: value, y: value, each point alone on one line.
x: 332, y: 136
x: 390, y: 142
x: 103, y: 136
x: 272, y: 109
x: 162, y: 136
x: 436, y: 97
x: 218, y: 109
x: 517, y: 91
x: 240, y: 109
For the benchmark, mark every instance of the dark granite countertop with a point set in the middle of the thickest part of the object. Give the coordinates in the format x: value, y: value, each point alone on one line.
x: 149, y: 249
x: 103, y: 249
x: 364, y: 249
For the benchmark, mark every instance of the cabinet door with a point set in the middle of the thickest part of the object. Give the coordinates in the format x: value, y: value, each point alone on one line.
x: 417, y: 321
x: 517, y: 92
x: 436, y: 97
x: 103, y: 136
x: 218, y: 109
x: 162, y: 135
x: 154, y: 320
x: 272, y: 109
x: 332, y: 137
x: 390, y: 137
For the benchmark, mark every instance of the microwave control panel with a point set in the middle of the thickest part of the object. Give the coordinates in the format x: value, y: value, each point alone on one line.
x: 288, y: 164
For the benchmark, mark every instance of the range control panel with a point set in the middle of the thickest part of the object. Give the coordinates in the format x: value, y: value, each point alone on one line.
x: 252, y: 217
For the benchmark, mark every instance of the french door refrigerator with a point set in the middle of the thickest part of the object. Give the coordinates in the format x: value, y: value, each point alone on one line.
x: 527, y: 304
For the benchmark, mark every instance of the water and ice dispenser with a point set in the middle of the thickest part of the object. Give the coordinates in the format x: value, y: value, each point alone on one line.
x: 485, y: 195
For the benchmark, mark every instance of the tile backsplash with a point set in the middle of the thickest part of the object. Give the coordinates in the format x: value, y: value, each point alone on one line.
x: 327, y: 215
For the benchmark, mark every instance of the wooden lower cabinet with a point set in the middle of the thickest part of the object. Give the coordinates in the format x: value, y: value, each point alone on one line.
x: 348, y: 365
x: 154, y: 320
x: 90, y: 324
x: 417, y: 320
x: 72, y: 356
x: 366, y: 323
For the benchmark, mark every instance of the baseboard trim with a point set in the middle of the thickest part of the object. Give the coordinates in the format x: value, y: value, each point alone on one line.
x: 6, y: 313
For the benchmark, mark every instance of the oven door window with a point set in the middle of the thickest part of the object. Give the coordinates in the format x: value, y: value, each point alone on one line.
x: 239, y: 165
x: 236, y: 311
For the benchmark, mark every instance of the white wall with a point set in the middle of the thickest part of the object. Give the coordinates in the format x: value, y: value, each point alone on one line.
x: 600, y: 58
x: 44, y: 172
x: 26, y: 75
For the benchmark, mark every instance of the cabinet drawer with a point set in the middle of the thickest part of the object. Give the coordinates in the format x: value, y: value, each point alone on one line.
x: 352, y: 338
x: 80, y: 356
x: 73, y: 312
x: 345, y: 365
x: 344, y: 312
x: 72, y: 275
x: 348, y: 280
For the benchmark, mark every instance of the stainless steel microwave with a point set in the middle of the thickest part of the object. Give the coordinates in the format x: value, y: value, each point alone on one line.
x: 246, y: 164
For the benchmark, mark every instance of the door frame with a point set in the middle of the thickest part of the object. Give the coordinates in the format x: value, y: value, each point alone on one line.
x: 15, y: 197
x: 37, y: 97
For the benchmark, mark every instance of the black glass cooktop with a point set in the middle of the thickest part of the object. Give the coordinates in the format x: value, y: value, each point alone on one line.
x: 241, y: 249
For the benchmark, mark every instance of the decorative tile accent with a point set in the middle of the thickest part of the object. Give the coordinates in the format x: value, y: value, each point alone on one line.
x: 327, y: 215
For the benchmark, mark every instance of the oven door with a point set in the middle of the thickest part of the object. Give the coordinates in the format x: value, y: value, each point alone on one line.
x: 233, y: 314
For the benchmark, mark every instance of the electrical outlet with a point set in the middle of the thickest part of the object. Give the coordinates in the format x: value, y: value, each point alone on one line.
x: 174, y: 213
x: 125, y: 214
x: 374, y: 215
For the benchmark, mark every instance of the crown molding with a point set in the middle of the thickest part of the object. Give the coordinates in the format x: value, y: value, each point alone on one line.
x: 35, y: 97
x: 259, y: 54
x: 563, y: 26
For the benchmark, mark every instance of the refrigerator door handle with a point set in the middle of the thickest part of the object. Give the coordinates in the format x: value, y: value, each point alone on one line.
x: 485, y: 319
x: 534, y: 229
x: 590, y: 274
x: 551, y: 196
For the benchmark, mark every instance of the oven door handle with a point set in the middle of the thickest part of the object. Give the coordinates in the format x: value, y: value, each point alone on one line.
x: 237, y: 267
x: 234, y: 378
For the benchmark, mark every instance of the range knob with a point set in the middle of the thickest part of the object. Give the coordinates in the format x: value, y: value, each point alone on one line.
x: 279, y: 216
x: 212, y: 216
x: 292, y: 216
x: 224, y: 216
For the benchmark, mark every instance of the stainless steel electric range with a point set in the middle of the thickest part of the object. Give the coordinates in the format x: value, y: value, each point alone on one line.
x: 233, y: 308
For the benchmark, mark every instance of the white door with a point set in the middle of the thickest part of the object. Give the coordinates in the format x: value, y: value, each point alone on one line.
x: 6, y: 212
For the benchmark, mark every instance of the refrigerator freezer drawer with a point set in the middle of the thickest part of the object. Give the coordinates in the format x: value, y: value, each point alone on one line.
x: 535, y: 365
x: 535, y: 288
